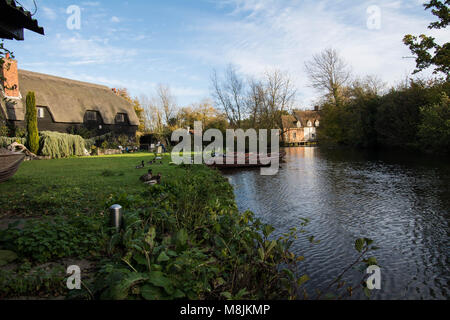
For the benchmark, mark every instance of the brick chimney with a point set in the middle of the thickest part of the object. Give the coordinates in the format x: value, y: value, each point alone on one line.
x: 11, y: 77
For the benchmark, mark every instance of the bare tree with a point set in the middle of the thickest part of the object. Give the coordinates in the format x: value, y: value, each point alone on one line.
x: 230, y: 95
x: 166, y: 102
x: 279, y: 97
x: 329, y: 73
x: 153, y: 114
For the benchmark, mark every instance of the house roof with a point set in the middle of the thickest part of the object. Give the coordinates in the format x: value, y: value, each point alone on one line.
x: 290, y: 121
x: 305, y: 116
x: 68, y: 100
x: 14, y: 18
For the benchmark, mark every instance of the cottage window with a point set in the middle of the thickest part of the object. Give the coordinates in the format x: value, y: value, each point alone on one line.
x: 91, y: 116
x: 317, y: 123
x: 40, y: 113
x: 310, y: 124
x: 120, y: 118
x: 294, y: 135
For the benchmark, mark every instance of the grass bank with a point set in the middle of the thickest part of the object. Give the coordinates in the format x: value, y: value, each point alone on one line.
x: 182, y: 239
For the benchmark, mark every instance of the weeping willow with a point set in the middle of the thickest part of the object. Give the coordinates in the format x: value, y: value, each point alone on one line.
x: 61, y: 145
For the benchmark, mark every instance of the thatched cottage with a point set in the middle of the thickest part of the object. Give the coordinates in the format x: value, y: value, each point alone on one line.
x: 300, y: 127
x: 64, y: 104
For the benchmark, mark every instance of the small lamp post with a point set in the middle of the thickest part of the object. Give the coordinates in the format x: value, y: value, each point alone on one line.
x: 116, y: 217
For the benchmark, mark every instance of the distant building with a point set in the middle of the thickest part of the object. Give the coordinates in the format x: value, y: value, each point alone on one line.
x: 300, y: 127
x: 64, y: 104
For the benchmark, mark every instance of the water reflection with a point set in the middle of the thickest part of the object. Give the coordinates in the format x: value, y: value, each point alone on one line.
x: 399, y: 201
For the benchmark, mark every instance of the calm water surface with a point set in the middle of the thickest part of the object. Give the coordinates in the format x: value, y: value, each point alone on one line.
x: 402, y: 202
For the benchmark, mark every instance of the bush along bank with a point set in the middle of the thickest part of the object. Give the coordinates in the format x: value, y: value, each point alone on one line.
x: 183, y: 239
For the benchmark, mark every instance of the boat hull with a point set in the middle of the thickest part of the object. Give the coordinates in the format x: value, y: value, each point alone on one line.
x: 262, y: 161
x: 9, y: 164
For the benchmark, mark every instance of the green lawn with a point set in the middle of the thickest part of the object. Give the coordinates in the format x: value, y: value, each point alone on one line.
x: 76, y: 185
x: 182, y: 239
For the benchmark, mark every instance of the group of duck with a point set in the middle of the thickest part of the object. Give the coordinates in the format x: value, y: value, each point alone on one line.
x: 148, y: 178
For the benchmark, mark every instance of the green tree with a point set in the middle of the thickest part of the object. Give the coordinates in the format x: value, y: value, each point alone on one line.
x: 434, y: 131
x: 32, y: 126
x: 422, y: 47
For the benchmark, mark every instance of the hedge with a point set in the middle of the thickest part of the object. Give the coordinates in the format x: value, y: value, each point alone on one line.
x: 6, y: 141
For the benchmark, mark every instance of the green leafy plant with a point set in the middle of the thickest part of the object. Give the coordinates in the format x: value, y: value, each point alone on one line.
x: 55, y: 238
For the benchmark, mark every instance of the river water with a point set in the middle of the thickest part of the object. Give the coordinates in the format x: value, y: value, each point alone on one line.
x: 401, y: 201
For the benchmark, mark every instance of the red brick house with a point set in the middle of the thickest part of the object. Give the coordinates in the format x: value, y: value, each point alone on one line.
x: 300, y: 127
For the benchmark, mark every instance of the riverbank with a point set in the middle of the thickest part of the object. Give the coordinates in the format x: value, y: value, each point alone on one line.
x: 184, y: 238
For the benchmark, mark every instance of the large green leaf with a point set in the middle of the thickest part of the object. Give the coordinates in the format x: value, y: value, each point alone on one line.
x: 163, y: 257
x: 182, y: 237
x: 150, y: 292
x: 158, y: 279
x: 121, y: 290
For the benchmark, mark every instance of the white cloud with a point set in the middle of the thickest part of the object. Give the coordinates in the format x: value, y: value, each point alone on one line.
x: 97, y: 51
x: 49, y: 13
x: 115, y: 19
x: 285, y: 34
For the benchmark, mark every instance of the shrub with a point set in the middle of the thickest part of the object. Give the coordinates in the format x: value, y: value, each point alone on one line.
x: 31, y: 120
x: 6, y: 141
x: 55, y: 238
x: 61, y: 145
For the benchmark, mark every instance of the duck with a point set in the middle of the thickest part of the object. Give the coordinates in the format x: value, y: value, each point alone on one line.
x: 147, y: 177
x: 141, y: 166
x: 154, y: 180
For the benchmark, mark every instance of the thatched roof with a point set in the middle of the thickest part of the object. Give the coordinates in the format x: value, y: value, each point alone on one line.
x: 68, y: 100
x: 305, y: 116
x: 290, y: 121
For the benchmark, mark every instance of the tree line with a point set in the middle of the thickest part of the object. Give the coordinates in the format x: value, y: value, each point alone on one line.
x: 362, y: 113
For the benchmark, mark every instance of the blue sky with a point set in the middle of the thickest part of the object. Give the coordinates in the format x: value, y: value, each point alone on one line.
x: 138, y: 44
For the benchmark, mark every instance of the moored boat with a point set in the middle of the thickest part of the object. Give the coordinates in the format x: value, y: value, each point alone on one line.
x: 247, y: 160
x: 9, y: 163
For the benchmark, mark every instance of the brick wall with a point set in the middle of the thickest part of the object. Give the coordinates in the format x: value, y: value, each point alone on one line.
x: 11, y: 75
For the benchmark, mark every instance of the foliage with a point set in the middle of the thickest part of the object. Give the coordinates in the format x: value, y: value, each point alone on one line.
x: 421, y: 47
x: 5, y: 141
x: 192, y: 243
x: 20, y: 132
x: 140, y: 112
x: 393, y: 120
x: 61, y: 145
x: 434, y: 130
x: 53, y: 238
x: 82, y: 132
x: 28, y: 281
x: 31, y: 121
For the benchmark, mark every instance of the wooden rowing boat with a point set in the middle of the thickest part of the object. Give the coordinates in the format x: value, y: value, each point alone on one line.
x: 9, y: 163
x: 249, y: 160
